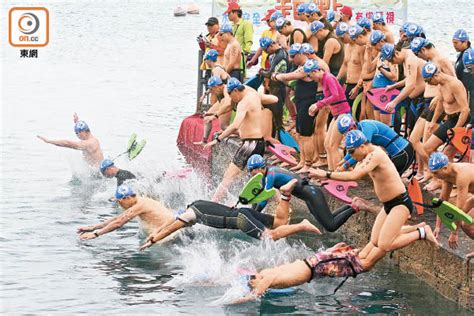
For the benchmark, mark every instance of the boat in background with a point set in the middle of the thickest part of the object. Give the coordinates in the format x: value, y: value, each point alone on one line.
x: 179, y: 11
x: 192, y: 8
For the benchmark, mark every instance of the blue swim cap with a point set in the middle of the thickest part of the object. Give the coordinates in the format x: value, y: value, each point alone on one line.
x: 468, y: 57
x: 364, y: 23
x: 344, y: 123
x: 214, y: 81
x: 355, y: 139
x: 378, y: 18
x: 376, y: 36
x: 295, y: 49
x: 233, y: 84
x: 226, y: 28
x: 255, y: 161
x: 437, y: 161
x: 413, y: 30
x: 280, y: 23
x: 211, y: 55
x: 301, y: 8
x: 275, y: 16
x: 355, y: 31
x: 306, y: 48
x: 316, y: 26
x: 265, y: 42
x: 311, y: 65
x: 461, y: 35
x: 417, y: 44
x: 312, y: 8
x: 104, y: 164
x: 387, y: 52
x: 429, y: 70
x: 81, y: 126
x: 341, y: 29
x: 404, y: 27
x: 124, y: 191
x: 330, y: 15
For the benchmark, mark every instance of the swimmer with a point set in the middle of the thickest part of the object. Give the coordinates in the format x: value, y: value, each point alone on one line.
x: 293, y: 34
x: 151, y: 213
x: 460, y: 175
x: 330, y: 47
x: 108, y: 169
x: 378, y: 23
x: 232, y: 53
x: 88, y: 144
x: 251, y: 222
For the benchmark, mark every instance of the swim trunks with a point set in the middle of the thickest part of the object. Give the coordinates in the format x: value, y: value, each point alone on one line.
x: 404, y: 159
x: 248, y: 147
x: 452, y: 120
x: 402, y: 199
x: 237, y: 74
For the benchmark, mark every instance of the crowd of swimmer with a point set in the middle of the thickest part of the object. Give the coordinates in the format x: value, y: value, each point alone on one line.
x: 332, y: 62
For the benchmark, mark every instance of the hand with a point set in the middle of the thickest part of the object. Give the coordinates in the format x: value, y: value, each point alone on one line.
x: 437, y: 231
x: 201, y: 99
x: 87, y: 236
x: 210, y: 144
x: 390, y: 87
x: 432, y: 127
x: 209, y: 119
x: 433, y: 104
x: 317, y: 173
x: 250, y: 63
x: 453, y: 240
x: 313, y: 109
x: 85, y: 229
x: 148, y: 243
x: 354, y: 92
x: 274, y: 76
x: 75, y: 117
x: 43, y: 139
x: 390, y: 106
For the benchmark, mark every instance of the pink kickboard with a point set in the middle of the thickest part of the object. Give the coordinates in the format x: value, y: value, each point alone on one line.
x: 339, y: 189
x: 183, y: 173
x: 283, y: 153
x: 379, y: 97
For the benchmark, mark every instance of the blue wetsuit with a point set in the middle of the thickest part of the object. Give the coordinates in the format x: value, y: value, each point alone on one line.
x: 276, y: 177
x: 398, y: 148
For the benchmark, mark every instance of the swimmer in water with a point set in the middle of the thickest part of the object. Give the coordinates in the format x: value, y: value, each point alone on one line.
x: 108, y: 169
x: 151, y: 213
x: 88, y: 144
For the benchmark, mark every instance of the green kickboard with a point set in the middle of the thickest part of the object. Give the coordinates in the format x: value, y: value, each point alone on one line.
x: 136, y: 150
x: 132, y: 142
x: 292, y: 84
x: 253, y: 191
x: 450, y: 213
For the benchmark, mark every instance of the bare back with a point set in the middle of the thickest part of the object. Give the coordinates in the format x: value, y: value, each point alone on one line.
x: 232, y: 55
x: 412, y: 68
x: 91, y: 151
x: 152, y: 214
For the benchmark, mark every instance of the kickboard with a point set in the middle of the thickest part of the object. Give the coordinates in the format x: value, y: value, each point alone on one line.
x: 284, y: 153
x: 414, y: 191
x: 450, y: 213
x: 355, y: 104
x: 136, y: 150
x: 288, y: 140
x: 254, y: 82
x: 292, y: 84
x: 380, y: 98
x: 339, y: 189
x: 183, y: 173
x: 461, y: 138
x: 244, y: 280
x: 253, y: 191
x: 132, y: 142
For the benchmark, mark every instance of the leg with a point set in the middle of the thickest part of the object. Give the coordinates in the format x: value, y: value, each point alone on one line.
x: 469, y: 228
x: 267, y: 126
x: 335, y: 141
x: 320, y: 132
x: 415, y: 140
x: 287, y: 230
x: 230, y: 174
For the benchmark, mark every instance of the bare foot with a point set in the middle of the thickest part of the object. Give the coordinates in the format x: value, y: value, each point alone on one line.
x: 288, y: 188
x: 273, y: 158
x: 360, y: 204
x: 470, y: 255
x: 308, y: 227
x: 305, y: 169
x: 201, y: 143
x: 430, y: 236
x: 419, y: 176
x: 284, y: 165
x: 422, y: 224
x: 320, y: 163
x: 297, y: 167
x: 433, y: 185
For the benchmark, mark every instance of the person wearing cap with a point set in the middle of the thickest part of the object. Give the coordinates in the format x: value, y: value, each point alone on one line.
x: 272, y: 33
x: 452, y: 100
x: 301, y: 12
x: 88, y: 144
x: 233, y: 58
x: 212, y: 40
x: 217, y: 70
x: 378, y: 23
x: 460, y: 175
x: 335, y: 100
x: 413, y: 30
x: 108, y: 169
x: 346, y: 14
x: 241, y: 29
x: 248, y: 123
x: 462, y: 44
x: 388, y: 232
x: 152, y: 215
x: 294, y: 34
x: 314, y: 14
x: 330, y: 48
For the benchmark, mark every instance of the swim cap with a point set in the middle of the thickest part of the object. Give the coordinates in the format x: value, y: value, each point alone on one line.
x: 355, y: 31
x: 306, y: 48
x: 461, y: 35
x: 233, y: 84
x: 280, y: 23
x: 301, y: 8
x: 265, y: 42
x: 344, y: 123
x: 124, y: 191
x: 312, y: 8
x: 404, y: 27
x: 330, y: 15
x: 429, y: 70
x: 104, y: 164
x: 316, y: 26
x: 437, y: 161
x: 295, y: 49
x: 214, y: 81
x: 365, y: 23
x: 468, y: 57
x: 355, y: 139
x: 413, y: 30
x: 342, y: 29
x: 376, y: 36
x: 378, y: 18
x: 417, y: 44
x: 226, y: 28
x: 211, y: 55
x: 387, y: 52
x: 81, y: 126
x: 255, y: 161
x: 275, y: 16
x: 311, y: 65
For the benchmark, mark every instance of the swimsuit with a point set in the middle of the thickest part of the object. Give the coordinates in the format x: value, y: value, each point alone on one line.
x: 123, y: 175
x: 402, y: 199
x: 248, y: 147
x: 305, y: 96
x: 452, y: 120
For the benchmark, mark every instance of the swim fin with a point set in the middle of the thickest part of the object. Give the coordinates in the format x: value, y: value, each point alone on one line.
x: 136, y: 150
x: 355, y: 104
x: 450, y: 213
x: 132, y: 142
x: 254, y: 192
x: 414, y: 191
x: 288, y: 140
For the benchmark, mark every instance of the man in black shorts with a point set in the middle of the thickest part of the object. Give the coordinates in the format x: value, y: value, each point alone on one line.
x: 109, y: 170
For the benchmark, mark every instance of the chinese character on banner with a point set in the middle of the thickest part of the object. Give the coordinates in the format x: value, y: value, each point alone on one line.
x: 390, y: 17
x: 246, y: 16
x: 296, y: 3
x: 358, y: 16
x: 369, y: 15
x: 324, y: 5
x: 256, y: 18
x: 336, y: 6
x: 284, y: 8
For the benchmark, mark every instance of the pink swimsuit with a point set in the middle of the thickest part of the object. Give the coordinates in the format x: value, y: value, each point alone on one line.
x: 334, y: 96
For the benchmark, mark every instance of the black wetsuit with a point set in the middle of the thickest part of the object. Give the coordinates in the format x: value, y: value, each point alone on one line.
x: 313, y: 196
x: 124, y: 175
x: 467, y: 79
x: 305, y: 96
x: 337, y: 59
